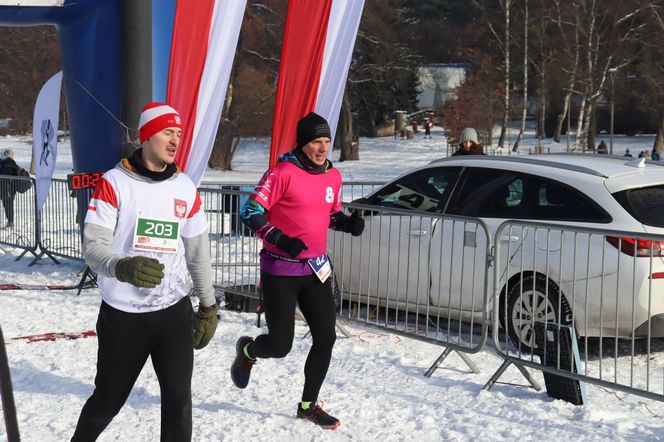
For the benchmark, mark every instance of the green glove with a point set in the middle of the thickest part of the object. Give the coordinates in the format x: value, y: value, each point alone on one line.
x: 206, y: 325
x: 140, y: 271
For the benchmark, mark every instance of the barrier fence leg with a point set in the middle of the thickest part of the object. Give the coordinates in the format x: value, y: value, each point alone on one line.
x: 468, y: 362
x: 8, y: 406
x: 42, y: 251
x: 439, y: 361
x: 442, y: 357
x: 506, y: 363
x: 23, y: 253
x: 89, y: 280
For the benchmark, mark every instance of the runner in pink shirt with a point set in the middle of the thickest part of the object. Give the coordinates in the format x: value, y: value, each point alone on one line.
x: 291, y: 209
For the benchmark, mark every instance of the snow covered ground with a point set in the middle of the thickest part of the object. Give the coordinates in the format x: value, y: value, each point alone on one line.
x: 375, y: 384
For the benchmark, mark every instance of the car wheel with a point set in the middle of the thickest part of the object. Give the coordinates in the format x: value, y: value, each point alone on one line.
x: 528, y: 301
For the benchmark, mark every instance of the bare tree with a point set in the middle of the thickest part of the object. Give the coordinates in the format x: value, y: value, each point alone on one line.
x: 249, y: 100
x: 651, y: 65
x: 610, y: 33
x: 524, y: 109
x: 345, y: 140
x: 506, y: 5
x: 569, y: 51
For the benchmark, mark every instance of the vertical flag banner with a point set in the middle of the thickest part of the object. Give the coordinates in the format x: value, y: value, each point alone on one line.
x: 317, y: 48
x: 45, y: 135
x: 205, y: 35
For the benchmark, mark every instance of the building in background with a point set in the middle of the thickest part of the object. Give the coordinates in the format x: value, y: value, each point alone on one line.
x: 437, y: 84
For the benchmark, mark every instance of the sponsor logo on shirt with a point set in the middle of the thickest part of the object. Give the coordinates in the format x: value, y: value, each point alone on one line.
x: 329, y: 194
x: 180, y: 208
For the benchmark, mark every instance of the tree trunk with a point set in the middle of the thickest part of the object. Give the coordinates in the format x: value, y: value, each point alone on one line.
x: 592, y: 125
x: 344, y: 138
x: 524, y: 110
x: 222, y: 151
x: 506, y: 110
x: 579, y: 123
x: 567, y: 104
x: 658, y: 145
x: 561, y: 117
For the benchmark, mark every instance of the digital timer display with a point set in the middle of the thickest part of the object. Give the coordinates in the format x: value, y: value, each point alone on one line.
x: 86, y: 180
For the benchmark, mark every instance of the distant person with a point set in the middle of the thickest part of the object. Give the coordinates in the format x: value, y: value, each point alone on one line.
x: 145, y: 233
x: 8, y: 186
x: 291, y: 210
x: 601, y: 148
x: 427, y: 128
x: 655, y: 155
x: 628, y: 153
x: 468, y: 143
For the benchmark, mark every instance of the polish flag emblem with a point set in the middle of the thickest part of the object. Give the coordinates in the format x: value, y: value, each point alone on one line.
x: 180, y: 208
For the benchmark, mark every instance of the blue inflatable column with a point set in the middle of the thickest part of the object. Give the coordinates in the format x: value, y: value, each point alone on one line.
x: 90, y: 49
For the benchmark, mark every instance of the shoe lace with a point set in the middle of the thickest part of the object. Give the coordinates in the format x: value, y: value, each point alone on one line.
x: 317, y: 408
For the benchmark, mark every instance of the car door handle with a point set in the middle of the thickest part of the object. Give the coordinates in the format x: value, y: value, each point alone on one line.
x: 418, y: 232
x: 510, y: 238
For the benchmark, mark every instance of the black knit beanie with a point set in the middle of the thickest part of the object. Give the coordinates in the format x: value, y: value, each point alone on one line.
x: 311, y: 127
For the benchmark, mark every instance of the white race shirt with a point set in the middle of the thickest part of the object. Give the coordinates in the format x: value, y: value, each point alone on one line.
x: 168, y: 210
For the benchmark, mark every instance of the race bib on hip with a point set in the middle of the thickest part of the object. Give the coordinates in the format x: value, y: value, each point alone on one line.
x: 156, y: 235
x: 321, y: 267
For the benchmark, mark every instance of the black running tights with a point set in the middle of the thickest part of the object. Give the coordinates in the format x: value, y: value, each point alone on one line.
x: 280, y: 296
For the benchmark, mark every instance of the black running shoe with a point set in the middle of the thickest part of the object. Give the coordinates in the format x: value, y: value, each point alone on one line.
x: 318, y: 416
x: 241, y: 368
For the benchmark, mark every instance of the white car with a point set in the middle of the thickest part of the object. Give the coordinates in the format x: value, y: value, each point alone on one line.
x: 435, y: 266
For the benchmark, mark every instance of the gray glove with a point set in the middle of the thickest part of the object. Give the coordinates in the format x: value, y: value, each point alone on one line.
x: 140, y: 271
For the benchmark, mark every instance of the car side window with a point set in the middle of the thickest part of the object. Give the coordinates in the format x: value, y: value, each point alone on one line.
x: 421, y: 190
x: 491, y: 193
x: 555, y: 201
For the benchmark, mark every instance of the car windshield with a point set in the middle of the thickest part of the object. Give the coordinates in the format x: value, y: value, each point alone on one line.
x: 646, y: 204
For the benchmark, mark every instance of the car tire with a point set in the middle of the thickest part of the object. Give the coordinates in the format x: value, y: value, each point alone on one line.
x: 533, y: 301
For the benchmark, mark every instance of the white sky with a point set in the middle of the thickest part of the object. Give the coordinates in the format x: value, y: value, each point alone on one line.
x: 375, y: 385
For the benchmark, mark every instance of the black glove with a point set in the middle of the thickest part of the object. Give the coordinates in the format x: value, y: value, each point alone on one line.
x: 355, y: 223
x: 292, y: 246
x: 206, y: 325
x: 140, y: 271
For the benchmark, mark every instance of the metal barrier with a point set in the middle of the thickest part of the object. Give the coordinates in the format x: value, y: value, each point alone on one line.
x: 606, y: 285
x: 61, y: 220
x: 416, y: 274
x: 20, y: 207
x: 234, y: 249
x: 444, y: 280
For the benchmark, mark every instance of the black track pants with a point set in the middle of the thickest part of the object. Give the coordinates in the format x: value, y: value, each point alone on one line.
x: 280, y: 296
x: 125, y: 342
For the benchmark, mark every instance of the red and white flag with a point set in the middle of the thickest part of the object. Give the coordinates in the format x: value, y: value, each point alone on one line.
x: 319, y: 37
x: 205, y: 35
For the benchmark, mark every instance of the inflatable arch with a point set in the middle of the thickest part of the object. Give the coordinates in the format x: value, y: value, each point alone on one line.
x: 108, y: 71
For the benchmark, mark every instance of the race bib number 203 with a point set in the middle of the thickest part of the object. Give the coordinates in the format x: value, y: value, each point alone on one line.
x: 156, y: 235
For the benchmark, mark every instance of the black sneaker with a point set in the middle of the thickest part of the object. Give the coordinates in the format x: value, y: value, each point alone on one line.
x: 241, y: 368
x: 318, y: 416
